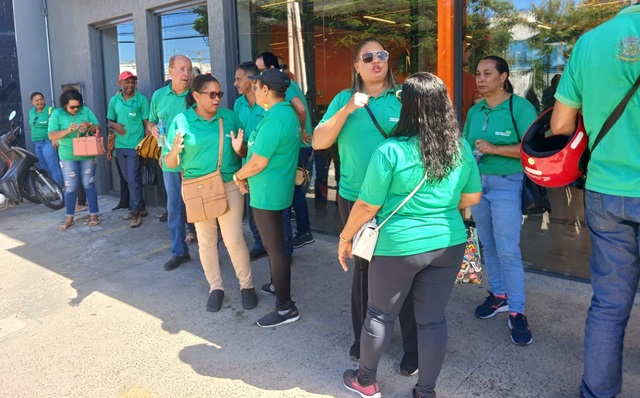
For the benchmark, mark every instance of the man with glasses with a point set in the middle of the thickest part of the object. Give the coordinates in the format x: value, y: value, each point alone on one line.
x: 603, y: 67
x: 295, y: 96
x: 166, y: 103
x: 127, y: 115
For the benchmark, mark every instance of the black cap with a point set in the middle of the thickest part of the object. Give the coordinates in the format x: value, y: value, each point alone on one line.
x: 273, y: 78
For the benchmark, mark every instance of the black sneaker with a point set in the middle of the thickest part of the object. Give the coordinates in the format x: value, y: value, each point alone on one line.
x: 255, y: 254
x: 350, y: 379
x: 491, y: 306
x: 354, y: 351
x: 302, y: 239
x: 215, y: 301
x: 176, y: 261
x: 409, y: 364
x: 520, y: 331
x: 275, y: 318
x: 268, y: 288
x: 249, y: 298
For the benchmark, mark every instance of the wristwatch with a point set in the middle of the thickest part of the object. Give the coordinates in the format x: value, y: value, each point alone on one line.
x: 235, y: 177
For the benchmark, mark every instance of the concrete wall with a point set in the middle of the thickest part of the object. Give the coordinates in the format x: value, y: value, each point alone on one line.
x: 76, y: 49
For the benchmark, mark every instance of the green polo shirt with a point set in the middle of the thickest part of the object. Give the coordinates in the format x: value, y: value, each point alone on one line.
x: 61, y: 120
x: 604, y: 64
x: 248, y: 115
x: 165, y: 105
x: 430, y: 220
x: 131, y: 114
x: 277, y: 138
x: 294, y: 90
x: 496, y: 126
x: 199, y: 156
x: 359, y: 136
x: 39, y: 123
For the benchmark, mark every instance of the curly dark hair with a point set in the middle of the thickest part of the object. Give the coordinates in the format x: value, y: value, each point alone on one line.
x: 68, y: 95
x: 427, y: 113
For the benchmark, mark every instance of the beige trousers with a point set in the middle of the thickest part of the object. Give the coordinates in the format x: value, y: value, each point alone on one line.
x: 232, y: 234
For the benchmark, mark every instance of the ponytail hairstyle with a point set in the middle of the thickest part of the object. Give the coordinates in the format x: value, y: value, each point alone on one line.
x: 502, y: 67
x: 196, y: 85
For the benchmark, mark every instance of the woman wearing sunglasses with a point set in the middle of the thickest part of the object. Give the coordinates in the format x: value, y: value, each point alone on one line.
x: 269, y: 174
x: 195, y: 141
x: 419, y: 250
x: 68, y: 121
x: 357, y: 135
x: 494, y: 128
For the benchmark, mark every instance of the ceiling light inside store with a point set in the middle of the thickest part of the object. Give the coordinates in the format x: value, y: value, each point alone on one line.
x: 379, y: 19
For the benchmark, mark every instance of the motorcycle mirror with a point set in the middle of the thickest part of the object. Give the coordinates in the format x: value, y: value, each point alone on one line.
x: 12, y: 115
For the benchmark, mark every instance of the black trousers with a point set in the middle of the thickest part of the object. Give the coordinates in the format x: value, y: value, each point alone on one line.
x: 360, y: 295
x: 269, y: 223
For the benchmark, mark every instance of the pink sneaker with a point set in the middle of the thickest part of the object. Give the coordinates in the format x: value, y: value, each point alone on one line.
x: 350, y: 378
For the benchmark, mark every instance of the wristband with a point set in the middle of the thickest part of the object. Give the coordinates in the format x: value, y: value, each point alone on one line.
x: 343, y: 239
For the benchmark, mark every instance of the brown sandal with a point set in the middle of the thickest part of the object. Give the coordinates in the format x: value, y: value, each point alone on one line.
x: 94, y: 220
x: 67, y: 223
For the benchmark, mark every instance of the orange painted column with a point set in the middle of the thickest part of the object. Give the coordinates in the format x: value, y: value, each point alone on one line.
x: 445, y: 43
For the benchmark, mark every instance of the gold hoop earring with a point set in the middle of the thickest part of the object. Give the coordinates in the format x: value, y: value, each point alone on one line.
x: 265, y: 106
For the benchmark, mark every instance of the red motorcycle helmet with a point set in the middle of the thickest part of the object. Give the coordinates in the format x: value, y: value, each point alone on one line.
x: 553, y: 160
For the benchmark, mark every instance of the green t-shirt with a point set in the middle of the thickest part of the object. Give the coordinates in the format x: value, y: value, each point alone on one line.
x: 604, y: 64
x: 248, y: 115
x: 129, y: 113
x: 165, y: 105
x: 359, y: 136
x: 430, y: 220
x: 61, y: 120
x: 496, y: 126
x: 39, y: 122
x: 199, y: 156
x: 295, y: 91
x: 277, y: 138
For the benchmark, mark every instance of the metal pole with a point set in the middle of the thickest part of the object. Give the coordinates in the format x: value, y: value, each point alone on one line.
x: 45, y: 12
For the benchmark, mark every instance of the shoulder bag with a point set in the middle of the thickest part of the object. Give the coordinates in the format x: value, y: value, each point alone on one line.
x: 89, y: 145
x: 205, y: 197
x: 375, y: 122
x: 364, y: 241
x: 535, y: 199
x: 148, y: 148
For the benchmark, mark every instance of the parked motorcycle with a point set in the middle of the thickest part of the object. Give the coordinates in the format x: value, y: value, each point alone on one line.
x: 21, y: 177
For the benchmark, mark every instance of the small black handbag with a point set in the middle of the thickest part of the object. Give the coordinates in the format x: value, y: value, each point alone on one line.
x: 149, y: 172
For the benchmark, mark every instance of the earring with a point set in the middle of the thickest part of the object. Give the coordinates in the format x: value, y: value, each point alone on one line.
x: 265, y: 106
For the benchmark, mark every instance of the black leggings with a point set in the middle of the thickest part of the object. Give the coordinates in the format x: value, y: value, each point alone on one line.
x: 426, y: 279
x: 360, y: 295
x: 269, y: 223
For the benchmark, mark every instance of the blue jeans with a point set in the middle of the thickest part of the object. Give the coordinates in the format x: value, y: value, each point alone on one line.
x: 614, y: 228
x: 303, y: 226
x: 49, y: 161
x: 129, y: 162
x: 177, y: 214
x: 498, y: 219
x: 286, y: 224
x: 75, y: 171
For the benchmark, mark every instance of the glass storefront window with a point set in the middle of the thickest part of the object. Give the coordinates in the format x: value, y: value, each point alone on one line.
x: 186, y: 32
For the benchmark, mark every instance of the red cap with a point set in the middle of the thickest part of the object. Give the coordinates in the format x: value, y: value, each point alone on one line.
x: 125, y: 75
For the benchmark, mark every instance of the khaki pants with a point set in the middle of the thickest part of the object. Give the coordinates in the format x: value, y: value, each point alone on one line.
x: 232, y: 234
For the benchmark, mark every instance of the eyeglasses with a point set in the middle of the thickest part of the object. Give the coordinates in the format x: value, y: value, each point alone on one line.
x: 382, y: 56
x: 486, y: 122
x: 213, y: 94
x: 74, y: 107
x: 399, y: 95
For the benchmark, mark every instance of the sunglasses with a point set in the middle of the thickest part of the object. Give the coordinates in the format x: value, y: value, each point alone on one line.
x: 74, y: 107
x: 382, y: 56
x: 213, y: 94
x: 486, y: 122
x: 399, y: 95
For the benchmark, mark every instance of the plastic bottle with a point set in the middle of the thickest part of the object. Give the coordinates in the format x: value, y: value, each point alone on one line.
x: 162, y: 133
x: 477, y: 154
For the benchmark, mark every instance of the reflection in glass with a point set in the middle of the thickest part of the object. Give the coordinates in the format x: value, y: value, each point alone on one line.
x: 186, y: 32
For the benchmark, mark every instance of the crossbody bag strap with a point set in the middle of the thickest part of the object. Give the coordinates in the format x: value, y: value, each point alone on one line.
x: 512, y: 118
x: 373, y: 119
x: 221, y: 146
x: 403, y: 202
x: 615, y: 115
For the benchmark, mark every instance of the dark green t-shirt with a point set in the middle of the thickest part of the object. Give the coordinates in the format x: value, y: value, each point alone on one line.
x: 199, y: 156
x: 293, y: 91
x: 61, y: 120
x: 430, y: 220
x: 359, y: 136
x: 277, y: 138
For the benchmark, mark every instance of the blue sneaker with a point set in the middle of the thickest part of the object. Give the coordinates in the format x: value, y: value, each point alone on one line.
x: 520, y: 331
x: 492, y: 305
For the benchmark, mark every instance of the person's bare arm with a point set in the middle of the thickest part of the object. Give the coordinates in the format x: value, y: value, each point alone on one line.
x: 469, y: 199
x: 360, y: 214
x: 563, y: 119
